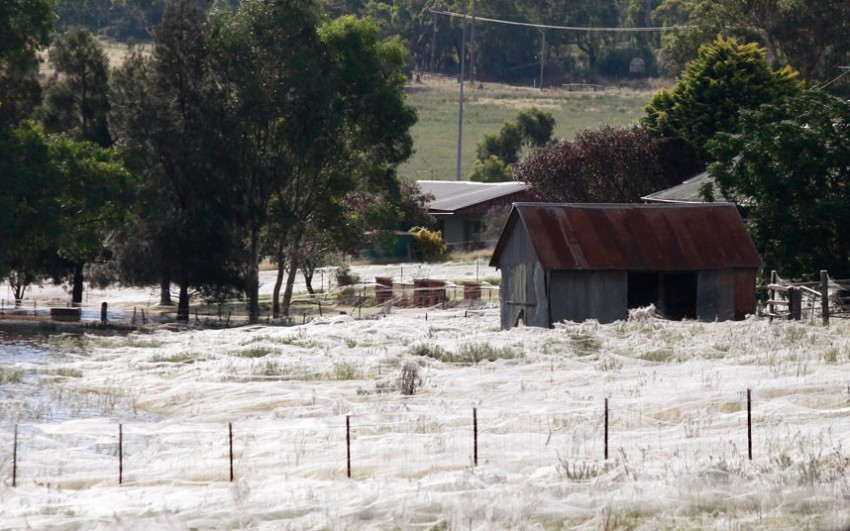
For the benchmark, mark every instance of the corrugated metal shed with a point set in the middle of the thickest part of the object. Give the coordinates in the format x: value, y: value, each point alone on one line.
x: 687, y: 192
x: 629, y: 237
x: 450, y: 196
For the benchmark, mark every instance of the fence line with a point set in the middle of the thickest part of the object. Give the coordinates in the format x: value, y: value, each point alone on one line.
x: 318, y: 446
x: 304, y: 307
x: 825, y: 298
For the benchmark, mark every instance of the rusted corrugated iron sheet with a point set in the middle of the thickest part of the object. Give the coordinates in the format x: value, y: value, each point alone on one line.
x: 636, y: 237
x: 745, y: 293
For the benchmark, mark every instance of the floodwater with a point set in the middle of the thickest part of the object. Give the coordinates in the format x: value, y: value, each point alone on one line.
x: 36, y: 386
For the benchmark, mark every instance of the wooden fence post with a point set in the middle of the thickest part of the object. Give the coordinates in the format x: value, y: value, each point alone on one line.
x: 348, y: 443
x: 230, y: 441
x: 474, y: 436
x: 795, y: 303
x: 771, y: 295
x: 824, y: 296
x: 120, y: 454
x: 606, y: 428
x: 15, y: 458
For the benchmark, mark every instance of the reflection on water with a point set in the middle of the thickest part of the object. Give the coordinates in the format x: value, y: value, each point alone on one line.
x: 39, y: 382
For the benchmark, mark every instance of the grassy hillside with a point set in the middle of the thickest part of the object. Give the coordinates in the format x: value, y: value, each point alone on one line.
x: 486, y: 109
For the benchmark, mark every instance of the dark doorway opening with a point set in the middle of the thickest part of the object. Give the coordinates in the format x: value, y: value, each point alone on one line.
x: 678, y: 296
x: 642, y: 289
x: 673, y: 294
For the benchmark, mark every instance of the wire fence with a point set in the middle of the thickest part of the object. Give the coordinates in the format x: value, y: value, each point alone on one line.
x: 362, y: 299
x: 579, y: 441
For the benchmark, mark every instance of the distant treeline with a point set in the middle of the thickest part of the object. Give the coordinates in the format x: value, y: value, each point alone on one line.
x: 664, y: 36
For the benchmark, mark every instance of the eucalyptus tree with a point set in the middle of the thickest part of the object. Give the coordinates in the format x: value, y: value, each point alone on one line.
x: 25, y: 28
x: 61, y: 196
x: 76, y: 99
x: 270, y: 70
x: 789, y: 163
x: 28, y: 206
x: 117, y: 19
x: 591, y: 14
x: 94, y: 192
x: 76, y: 104
x: 169, y: 108
x: 364, y: 131
x: 807, y: 35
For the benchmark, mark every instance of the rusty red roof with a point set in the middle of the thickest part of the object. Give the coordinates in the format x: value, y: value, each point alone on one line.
x: 634, y: 237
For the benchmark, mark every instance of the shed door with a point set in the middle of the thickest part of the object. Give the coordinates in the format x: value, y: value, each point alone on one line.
x: 518, y: 295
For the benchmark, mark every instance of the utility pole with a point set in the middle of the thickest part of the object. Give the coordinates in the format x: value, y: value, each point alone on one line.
x: 472, y: 48
x: 542, y: 56
x: 462, y: 82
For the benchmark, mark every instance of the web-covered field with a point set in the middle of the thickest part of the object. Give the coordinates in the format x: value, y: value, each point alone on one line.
x: 677, y: 396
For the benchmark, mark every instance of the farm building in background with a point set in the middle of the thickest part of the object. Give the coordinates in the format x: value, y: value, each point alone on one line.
x: 689, y: 191
x: 459, y: 207
x: 573, y: 262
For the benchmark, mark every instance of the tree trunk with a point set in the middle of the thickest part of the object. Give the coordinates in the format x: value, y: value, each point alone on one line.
x: 290, y: 282
x: 294, y: 244
x: 252, y: 277
x: 308, y: 270
x: 278, y: 281
x: 77, y: 290
x: 183, y: 304
x: 19, y: 290
x: 165, y: 293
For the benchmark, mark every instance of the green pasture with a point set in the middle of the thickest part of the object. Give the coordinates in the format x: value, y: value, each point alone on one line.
x: 486, y: 109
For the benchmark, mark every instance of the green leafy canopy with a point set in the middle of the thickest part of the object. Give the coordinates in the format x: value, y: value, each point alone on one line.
x: 790, y: 166
x: 727, y: 78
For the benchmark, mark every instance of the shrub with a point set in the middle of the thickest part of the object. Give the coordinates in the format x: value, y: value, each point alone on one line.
x: 490, y: 170
x: 428, y: 245
x: 344, y: 276
x: 409, y: 377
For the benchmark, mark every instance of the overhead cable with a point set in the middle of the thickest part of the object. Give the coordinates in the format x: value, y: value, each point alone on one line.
x: 560, y: 28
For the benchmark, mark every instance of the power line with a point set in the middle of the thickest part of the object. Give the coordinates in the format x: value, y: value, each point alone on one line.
x: 833, y: 80
x: 561, y: 28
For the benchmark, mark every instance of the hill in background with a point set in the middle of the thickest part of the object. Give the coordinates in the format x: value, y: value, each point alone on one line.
x: 486, y: 109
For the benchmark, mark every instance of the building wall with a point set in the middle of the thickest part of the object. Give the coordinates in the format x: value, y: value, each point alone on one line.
x: 458, y: 230
x: 726, y: 295
x: 523, y: 281
x: 716, y: 295
x: 581, y: 295
x: 453, y: 229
